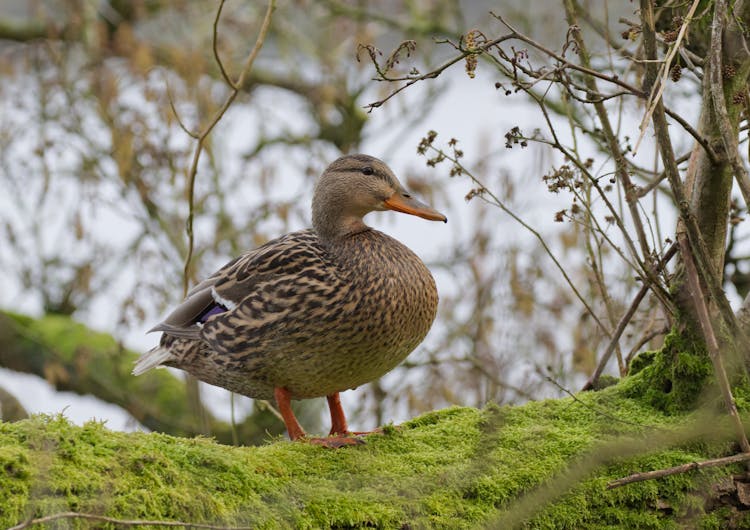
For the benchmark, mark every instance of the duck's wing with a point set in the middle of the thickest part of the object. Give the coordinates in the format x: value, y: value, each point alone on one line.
x: 279, y: 260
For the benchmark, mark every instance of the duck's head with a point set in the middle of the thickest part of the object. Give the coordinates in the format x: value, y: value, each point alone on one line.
x: 355, y: 185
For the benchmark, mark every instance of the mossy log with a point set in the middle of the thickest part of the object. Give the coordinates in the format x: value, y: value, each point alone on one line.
x: 72, y: 357
x: 542, y: 465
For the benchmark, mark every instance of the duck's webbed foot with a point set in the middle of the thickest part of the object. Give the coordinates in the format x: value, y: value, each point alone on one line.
x: 340, y: 435
x: 336, y: 442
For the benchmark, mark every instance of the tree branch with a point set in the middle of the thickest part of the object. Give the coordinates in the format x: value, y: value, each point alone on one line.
x: 657, y: 90
x: 484, y: 191
x: 684, y: 468
x: 631, y: 197
x: 120, y: 522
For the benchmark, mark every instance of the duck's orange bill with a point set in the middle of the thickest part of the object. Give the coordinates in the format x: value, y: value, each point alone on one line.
x: 404, y: 203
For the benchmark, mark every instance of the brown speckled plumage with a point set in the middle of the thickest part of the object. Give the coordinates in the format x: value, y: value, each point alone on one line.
x: 314, y: 312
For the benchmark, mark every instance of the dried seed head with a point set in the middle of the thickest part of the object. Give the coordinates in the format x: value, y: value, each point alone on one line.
x: 675, y: 72
x: 670, y: 36
x: 471, y: 65
x: 470, y: 43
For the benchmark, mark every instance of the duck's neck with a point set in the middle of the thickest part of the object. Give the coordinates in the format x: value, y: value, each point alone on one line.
x: 332, y: 226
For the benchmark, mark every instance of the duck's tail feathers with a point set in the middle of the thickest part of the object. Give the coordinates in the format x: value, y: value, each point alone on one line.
x: 151, y: 359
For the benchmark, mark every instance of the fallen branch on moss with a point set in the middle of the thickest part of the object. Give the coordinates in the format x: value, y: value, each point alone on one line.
x: 120, y: 522
x: 684, y: 468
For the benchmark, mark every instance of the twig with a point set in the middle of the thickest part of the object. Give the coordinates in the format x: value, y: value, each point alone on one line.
x: 518, y: 512
x: 557, y: 144
x: 611, y: 79
x: 563, y: 63
x: 614, y: 79
x: 264, y: 403
x: 684, y: 468
x: 182, y: 125
x: 431, y: 74
x: 121, y: 522
x: 235, y: 86
x: 712, y: 156
x: 646, y: 273
x: 649, y: 187
x: 591, y: 383
x: 481, y: 367
x: 215, y: 47
x: 712, y: 344
x: 514, y: 34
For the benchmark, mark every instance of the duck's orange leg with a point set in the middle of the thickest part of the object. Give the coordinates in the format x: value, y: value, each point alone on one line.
x: 339, y: 435
x: 284, y: 402
x: 338, y: 419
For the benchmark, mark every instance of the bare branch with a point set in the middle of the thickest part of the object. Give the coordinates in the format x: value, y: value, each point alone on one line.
x: 214, y: 46
x: 120, y: 522
x: 429, y: 75
x: 182, y: 125
x: 596, y: 409
x: 652, y: 334
x: 564, y: 63
x: 700, y: 253
x: 623, y: 176
x: 692, y: 132
x: 676, y: 470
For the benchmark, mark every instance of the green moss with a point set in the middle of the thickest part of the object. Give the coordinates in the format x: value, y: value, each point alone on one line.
x: 543, y: 465
x: 672, y: 379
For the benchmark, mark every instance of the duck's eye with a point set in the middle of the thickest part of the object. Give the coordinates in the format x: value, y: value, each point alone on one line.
x: 368, y: 170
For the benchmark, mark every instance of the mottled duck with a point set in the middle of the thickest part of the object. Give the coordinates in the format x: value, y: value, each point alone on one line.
x: 314, y: 312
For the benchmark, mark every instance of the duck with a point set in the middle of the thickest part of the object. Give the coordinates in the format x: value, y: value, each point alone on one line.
x: 314, y: 312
